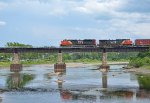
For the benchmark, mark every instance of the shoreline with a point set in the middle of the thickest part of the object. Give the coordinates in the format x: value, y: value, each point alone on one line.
x: 74, y: 64
x: 138, y: 70
x: 77, y: 65
x: 94, y: 64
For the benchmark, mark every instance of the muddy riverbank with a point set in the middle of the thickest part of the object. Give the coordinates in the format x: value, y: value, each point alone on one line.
x: 72, y: 65
x: 138, y: 70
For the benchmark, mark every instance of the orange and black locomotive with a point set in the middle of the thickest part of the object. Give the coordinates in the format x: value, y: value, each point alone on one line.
x: 78, y: 43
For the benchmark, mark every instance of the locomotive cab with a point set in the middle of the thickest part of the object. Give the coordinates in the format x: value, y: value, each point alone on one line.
x: 127, y: 42
x: 66, y: 43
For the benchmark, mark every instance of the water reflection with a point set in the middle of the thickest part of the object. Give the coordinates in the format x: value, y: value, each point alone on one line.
x: 111, y: 93
x: 17, y: 80
x: 60, y: 80
x: 64, y: 94
x: 104, y: 79
x: 144, y: 86
x: 144, y: 81
x: 105, y: 91
x: 68, y: 94
x: 127, y: 94
x: 1, y: 99
x: 72, y: 94
x: 95, y: 95
x: 77, y: 86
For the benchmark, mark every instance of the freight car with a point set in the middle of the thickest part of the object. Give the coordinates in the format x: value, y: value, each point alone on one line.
x: 142, y: 42
x: 115, y: 43
x: 78, y: 43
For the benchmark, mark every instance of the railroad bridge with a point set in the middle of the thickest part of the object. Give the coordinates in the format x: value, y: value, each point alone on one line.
x: 60, y: 66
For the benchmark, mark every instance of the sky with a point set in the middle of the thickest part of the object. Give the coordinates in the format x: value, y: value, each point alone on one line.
x: 47, y: 22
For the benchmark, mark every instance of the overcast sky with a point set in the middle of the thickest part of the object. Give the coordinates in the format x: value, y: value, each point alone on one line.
x: 47, y: 22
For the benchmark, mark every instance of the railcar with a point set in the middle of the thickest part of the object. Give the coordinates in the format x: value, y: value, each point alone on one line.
x: 115, y: 43
x: 142, y: 42
x: 107, y: 43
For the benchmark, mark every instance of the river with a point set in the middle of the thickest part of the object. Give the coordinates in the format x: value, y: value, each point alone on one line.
x: 39, y: 84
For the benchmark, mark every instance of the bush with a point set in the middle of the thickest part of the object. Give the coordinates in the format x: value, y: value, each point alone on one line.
x: 146, y: 60
x: 136, y: 62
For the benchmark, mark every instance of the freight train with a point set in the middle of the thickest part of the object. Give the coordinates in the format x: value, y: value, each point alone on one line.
x: 78, y: 43
x: 104, y: 43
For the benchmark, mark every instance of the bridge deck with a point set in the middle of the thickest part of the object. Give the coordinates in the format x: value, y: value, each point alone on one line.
x: 78, y: 49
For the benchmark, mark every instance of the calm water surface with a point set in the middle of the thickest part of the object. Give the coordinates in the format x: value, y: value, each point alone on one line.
x: 78, y: 85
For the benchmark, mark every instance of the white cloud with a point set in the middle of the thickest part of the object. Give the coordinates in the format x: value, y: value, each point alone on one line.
x: 3, y: 5
x: 2, y: 23
x: 140, y: 6
x: 44, y: 7
x: 95, y: 6
x: 130, y: 27
x: 142, y: 30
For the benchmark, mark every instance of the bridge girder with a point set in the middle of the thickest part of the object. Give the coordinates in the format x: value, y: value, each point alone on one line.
x: 70, y: 50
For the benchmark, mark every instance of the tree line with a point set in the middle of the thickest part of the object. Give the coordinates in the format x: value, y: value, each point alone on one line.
x: 16, y: 44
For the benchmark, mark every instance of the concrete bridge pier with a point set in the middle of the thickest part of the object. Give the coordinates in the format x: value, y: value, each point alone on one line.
x: 60, y: 66
x: 16, y: 66
x: 104, y: 60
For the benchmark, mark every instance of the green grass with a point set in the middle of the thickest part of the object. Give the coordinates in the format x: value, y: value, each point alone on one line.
x: 95, y: 60
x: 146, y: 67
x: 27, y: 63
x: 5, y: 64
x: 87, y: 61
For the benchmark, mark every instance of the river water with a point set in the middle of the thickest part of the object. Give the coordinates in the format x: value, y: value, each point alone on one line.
x: 39, y: 84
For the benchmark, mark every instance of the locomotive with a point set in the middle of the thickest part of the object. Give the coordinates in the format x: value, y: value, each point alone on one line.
x: 78, y: 43
x: 115, y: 43
x: 104, y: 43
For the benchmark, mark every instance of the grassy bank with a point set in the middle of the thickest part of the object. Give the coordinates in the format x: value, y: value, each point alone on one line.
x: 146, y: 67
x: 5, y: 64
x: 85, y: 61
x: 26, y: 63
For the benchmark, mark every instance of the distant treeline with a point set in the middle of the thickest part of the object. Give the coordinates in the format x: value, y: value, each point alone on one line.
x: 16, y: 44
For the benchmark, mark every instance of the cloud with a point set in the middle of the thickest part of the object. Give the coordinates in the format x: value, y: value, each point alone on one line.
x: 2, y: 23
x: 59, y: 19
x: 3, y: 5
x: 44, y: 7
x: 140, y: 6
x: 96, y: 6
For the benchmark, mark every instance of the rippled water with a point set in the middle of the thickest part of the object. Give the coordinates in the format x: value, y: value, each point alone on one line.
x: 78, y: 85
